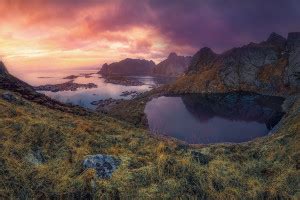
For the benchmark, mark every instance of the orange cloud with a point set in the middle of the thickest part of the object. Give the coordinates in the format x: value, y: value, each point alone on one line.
x: 35, y: 34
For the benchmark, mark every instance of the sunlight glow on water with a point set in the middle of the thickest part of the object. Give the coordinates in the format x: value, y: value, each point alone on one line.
x: 81, y: 96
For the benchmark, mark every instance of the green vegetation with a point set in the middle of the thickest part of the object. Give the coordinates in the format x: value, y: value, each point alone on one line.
x: 151, y: 167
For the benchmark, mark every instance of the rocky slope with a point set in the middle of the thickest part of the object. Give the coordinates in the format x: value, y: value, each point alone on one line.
x: 128, y: 67
x: 174, y: 65
x: 11, y: 83
x: 49, y: 154
x: 269, y: 67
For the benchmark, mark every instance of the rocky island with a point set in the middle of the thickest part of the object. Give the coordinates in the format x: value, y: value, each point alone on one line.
x: 67, y: 86
x: 123, y: 80
x: 128, y: 67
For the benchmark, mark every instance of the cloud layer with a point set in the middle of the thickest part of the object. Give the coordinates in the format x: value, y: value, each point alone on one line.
x: 82, y: 33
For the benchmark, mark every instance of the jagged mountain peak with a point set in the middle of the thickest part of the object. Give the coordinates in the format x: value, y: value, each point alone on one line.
x: 172, y: 55
x: 276, y: 40
x: 203, y: 57
x: 206, y: 50
x: 275, y: 36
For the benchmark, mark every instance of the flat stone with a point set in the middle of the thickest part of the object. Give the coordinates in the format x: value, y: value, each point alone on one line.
x: 104, y: 165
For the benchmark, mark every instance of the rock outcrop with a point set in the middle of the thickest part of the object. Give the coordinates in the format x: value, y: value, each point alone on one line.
x: 269, y: 67
x: 174, y: 65
x: 128, y: 67
x: 104, y: 165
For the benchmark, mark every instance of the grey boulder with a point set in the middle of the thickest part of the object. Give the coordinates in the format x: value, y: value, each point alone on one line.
x: 8, y: 96
x: 104, y: 165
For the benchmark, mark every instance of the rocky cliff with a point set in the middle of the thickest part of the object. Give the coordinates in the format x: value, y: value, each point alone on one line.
x: 174, y: 65
x: 128, y: 67
x: 271, y: 67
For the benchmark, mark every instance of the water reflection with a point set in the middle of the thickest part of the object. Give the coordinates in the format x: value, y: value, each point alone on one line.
x: 84, y: 97
x: 215, y: 118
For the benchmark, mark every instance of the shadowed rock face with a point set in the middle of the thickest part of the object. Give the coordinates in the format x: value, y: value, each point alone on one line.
x: 174, y: 65
x: 271, y: 67
x: 203, y: 57
x: 241, y: 65
x: 292, y: 76
x: 128, y: 67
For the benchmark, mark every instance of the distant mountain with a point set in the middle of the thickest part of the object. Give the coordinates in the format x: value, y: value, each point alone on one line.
x: 270, y: 67
x: 174, y: 65
x: 128, y: 67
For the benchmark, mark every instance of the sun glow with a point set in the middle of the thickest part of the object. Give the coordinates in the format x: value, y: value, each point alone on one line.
x: 38, y: 40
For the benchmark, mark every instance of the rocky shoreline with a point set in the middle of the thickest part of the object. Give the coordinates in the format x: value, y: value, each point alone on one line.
x: 67, y: 86
x: 130, y: 93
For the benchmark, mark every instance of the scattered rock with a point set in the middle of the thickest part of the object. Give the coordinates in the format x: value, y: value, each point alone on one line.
x: 104, y: 165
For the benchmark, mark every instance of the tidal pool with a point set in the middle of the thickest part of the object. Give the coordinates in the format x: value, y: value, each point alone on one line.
x: 215, y: 118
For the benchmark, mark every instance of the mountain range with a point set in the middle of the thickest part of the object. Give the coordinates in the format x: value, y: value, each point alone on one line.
x: 50, y: 150
x: 270, y: 67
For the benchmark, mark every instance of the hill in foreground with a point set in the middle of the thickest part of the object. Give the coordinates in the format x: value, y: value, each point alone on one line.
x: 43, y: 150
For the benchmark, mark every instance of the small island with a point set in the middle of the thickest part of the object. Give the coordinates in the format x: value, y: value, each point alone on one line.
x: 122, y: 80
x: 67, y: 86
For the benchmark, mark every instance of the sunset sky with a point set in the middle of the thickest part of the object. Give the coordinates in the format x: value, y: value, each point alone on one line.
x: 41, y: 34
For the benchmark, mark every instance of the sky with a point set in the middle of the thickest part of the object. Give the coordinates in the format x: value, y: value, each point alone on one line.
x: 56, y: 34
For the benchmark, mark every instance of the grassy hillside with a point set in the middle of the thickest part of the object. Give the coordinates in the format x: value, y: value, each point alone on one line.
x: 42, y: 152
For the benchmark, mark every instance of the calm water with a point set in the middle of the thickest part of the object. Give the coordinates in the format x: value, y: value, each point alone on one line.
x: 214, y: 118
x: 84, y: 97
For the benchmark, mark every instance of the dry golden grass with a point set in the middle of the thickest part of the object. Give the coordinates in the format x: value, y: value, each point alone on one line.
x: 151, y: 168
